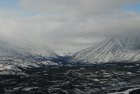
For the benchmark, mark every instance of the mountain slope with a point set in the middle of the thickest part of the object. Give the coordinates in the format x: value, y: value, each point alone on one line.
x: 112, y: 50
x: 12, y: 57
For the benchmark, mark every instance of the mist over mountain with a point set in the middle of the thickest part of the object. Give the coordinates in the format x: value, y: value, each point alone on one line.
x: 12, y: 57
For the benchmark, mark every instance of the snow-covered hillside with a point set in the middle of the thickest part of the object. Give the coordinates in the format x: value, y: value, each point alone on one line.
x: 116, y: 49
x: 12, y: 57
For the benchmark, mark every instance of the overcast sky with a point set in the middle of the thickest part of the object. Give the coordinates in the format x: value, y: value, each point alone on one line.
x: 67, y: 26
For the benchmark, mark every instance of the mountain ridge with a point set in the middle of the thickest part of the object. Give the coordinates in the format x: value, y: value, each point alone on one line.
x: 12, y: 57
x: 112, y: 50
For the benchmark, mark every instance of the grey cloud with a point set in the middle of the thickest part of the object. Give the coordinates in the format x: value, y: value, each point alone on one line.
x: 72, y: 7
x: 70, y: 25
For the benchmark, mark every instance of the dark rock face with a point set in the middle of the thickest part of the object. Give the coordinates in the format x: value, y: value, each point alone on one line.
x: 135, y: 91
x: 77, y: 91
x: 95, y: 91
x: 73, y: 74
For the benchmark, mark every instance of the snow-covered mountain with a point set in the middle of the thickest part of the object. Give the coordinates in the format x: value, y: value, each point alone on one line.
x: 12, y: 57
x: 40, y: 50
x: 116, y: 49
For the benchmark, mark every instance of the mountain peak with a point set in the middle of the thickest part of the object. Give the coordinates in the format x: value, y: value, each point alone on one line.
x: 115, y: 49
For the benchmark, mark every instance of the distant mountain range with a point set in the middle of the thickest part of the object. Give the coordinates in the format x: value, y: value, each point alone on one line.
x: 12, y: 57
x: 115, y: 49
